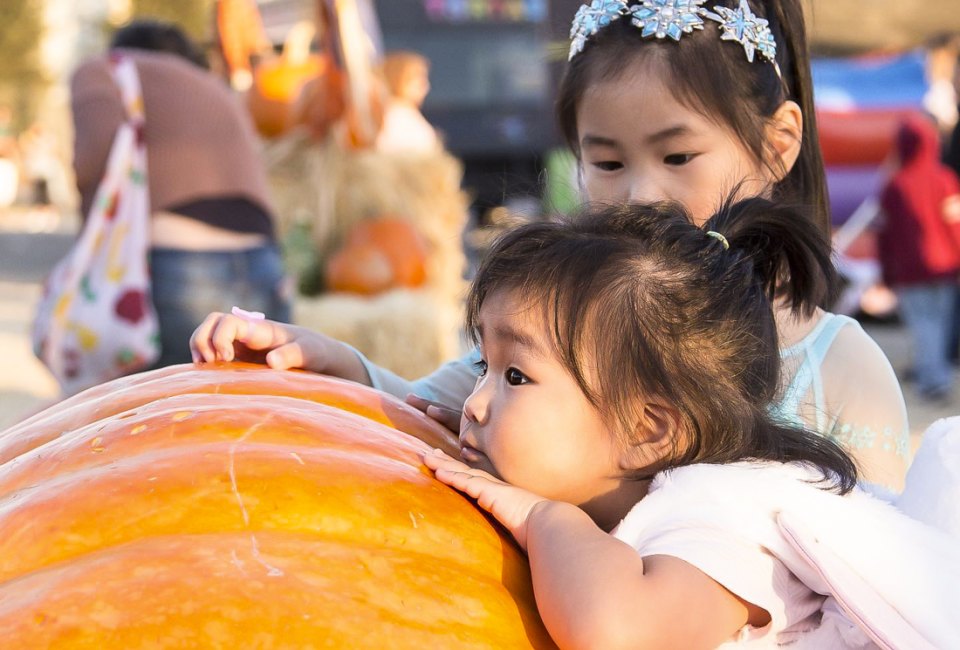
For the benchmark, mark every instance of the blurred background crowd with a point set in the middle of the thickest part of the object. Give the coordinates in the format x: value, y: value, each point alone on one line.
x: 385, y: 142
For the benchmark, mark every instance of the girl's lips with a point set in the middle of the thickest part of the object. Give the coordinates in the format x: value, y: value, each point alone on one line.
x: 469, y: 455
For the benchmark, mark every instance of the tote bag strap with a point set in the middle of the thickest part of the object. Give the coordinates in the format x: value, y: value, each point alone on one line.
x: 129, y: 137
x: 128, y: 81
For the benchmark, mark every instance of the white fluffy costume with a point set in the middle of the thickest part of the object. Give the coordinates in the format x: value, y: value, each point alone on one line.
x: 833, y: 571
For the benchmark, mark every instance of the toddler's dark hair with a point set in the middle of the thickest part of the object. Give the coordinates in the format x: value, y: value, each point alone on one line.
x: 639, y: 302
x: 714, y: 78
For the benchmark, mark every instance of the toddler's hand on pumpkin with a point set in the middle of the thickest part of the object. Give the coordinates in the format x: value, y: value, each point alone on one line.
x: 448, y: 417
x: 232, y: 337
x: 228, y: 337
x: 509, y: 505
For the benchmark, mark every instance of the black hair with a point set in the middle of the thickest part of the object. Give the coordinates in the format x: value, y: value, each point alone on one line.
x: 158, y: 36
x: 714, y: 78
x: 675, y: 313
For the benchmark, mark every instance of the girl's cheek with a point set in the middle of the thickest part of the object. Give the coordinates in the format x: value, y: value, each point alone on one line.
x: 597, y: 189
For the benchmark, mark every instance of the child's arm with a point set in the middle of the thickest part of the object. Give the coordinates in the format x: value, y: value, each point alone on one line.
x: 226, y: 337
x: 594, y: 591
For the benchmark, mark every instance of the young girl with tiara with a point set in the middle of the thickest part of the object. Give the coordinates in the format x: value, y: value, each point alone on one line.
x: 619, y: 430
x: 679, y: 100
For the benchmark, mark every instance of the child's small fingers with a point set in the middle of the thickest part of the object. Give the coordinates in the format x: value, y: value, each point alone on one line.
x: 202, y: 340
x: 471, y: 482
x: 417, y: 402
x: 228, y: 330
x: 264, y: 334
x: 436, y: 458
x: 445, y: 416
x: 285, y: 357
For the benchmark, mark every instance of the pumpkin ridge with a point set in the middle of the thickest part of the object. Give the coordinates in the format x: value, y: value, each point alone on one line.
x: 446, y: 612
x: 193, y: 419
x: 480, y: 573
x: 249, y: 379
x: 320, y: 482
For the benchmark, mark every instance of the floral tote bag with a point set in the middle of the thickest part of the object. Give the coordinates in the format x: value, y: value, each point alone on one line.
x: 95, y: 321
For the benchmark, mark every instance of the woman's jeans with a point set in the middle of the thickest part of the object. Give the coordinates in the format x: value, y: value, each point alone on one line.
x: 188, y: 285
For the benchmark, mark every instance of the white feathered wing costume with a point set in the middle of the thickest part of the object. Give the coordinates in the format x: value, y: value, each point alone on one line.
x: 891, y: 573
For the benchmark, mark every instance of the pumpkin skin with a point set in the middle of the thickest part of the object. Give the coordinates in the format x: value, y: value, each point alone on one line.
x: 277, y: 84
x: 221, y: 511
x: 379, y: 254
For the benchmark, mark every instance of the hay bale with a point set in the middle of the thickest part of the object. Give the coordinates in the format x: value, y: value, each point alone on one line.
x: 321, y: 190
x: 408, y: 331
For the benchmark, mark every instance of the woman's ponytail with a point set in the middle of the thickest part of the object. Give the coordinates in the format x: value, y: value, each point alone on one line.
x: 789, y: 254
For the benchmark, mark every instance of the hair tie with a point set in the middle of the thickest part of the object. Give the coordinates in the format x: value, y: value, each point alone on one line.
x: 720, y: 238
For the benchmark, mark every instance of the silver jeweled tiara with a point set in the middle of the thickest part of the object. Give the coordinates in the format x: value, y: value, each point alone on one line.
x: 673, y: 18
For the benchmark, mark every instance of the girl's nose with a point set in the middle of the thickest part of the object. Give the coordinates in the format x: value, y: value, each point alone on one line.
x: 644, y: 190
x: 477, y: 406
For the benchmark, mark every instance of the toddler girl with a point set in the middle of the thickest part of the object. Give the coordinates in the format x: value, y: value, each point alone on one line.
x: 626, y: 363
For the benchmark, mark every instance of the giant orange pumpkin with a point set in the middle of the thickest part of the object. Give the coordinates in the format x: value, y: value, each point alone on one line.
x: 235, y: 506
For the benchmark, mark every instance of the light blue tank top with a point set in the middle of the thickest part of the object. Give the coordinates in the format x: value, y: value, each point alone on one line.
x: 808, y: 380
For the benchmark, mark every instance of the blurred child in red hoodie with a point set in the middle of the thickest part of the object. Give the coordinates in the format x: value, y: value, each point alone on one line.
x: 919, y: 247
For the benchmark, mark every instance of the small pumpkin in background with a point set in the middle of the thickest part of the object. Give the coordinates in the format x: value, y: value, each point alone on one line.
x: 231, y: 505
x: 324, y: 107
x: 378, y: 255
x: 321, y: 103
x: 278, y: 82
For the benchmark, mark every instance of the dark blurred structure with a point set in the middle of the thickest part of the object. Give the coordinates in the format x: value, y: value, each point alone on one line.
x: 491, y: 88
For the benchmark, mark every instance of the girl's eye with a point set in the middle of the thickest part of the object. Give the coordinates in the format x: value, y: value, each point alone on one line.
x: 515, y: 377
x: 480, y: 367
x: 608, y: 165
x: 679, y: 159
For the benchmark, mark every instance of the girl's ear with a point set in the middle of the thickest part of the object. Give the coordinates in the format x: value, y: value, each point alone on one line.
x: 655, y: 436
x: 785, y: 135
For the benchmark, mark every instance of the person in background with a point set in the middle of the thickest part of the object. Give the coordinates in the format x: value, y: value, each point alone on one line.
x: 405, y: 130
x: 919, y: 250
x: 212, y: 230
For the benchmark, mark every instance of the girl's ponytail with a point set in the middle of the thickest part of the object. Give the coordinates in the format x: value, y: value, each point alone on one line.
x: 807, y: 178
x: 789, y: 254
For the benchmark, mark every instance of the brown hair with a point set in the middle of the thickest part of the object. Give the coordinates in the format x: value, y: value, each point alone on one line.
x: 671, y: 312
x: 159, y: 36
x: 714, y: 78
